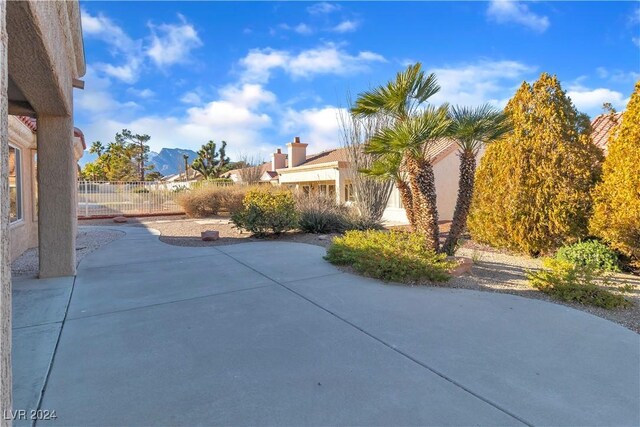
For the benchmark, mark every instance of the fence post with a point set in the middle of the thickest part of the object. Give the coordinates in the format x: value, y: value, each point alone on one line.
x: 86, y: 200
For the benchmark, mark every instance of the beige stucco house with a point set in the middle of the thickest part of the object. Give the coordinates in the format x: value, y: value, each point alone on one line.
x: 329, y: 172
x: 41, y: 61
x: 23, y: 195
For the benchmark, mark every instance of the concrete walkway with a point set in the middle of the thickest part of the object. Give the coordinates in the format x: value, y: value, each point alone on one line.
x: 268, y: 333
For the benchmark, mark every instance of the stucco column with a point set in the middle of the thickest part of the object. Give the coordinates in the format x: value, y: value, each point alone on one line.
x: 5, y: 266
x: 57, y: 217
x: 340, y: 196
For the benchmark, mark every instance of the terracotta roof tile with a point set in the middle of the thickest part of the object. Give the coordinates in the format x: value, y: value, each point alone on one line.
x: 32, y: 124
x: 601, y: 128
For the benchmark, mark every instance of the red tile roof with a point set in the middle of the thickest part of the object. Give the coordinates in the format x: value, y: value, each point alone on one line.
x: 601, y: 128
x: 32, y: 124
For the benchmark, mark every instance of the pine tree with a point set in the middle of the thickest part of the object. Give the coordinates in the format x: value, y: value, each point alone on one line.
x: 616, y: 215
x: 533, y: 186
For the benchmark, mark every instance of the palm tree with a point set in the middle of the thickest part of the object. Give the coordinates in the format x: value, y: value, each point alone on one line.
x: 411, y: 139
x: 388, y: 166
x: 471, y: 128
x: 402, y: 144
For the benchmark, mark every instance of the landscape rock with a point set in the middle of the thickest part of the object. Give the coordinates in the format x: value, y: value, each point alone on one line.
x: 463, y: 267
x: 120, y: 219
x: 210, y: 235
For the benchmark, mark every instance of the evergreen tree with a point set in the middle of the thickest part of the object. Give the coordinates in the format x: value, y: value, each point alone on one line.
x: 139, y: 149
x: 616, y: 216
x: 533, y: 186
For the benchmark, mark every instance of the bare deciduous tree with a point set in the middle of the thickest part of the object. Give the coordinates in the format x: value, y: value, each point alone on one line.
x: 371, y: 192
x: 251, y: 171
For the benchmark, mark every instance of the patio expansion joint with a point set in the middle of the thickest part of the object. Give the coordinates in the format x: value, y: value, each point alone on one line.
x: 55, y: 349
x: 386, y: 344
x: 153, y: 261
x: 72, y: 319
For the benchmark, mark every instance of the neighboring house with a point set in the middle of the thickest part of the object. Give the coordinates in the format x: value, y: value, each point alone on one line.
x: 263, y: 171
x: 23, y: 228
x: 601, y: 127
x: 329, y: 172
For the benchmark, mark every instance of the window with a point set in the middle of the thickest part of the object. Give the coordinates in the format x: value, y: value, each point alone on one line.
x: 332, y: 190
x: 349, y: 196
x: 306, y: 189
x: 15, y: 185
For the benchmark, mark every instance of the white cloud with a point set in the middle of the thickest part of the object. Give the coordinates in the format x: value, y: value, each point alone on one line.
x: 319, y: 127
x: 480, y: 82
x: 172, y: 43
x: 143, y: 93
x: 233, y: 115
x: 506, y: 11
x: 323, y: 8
x: 635, y: 16
x: 326, y: 59
x: 97, y: 99
x: 103, y: 28
x: 591, y: 100
x: 122, y: 46
x: 301, y: 28
x: 617, y: 76
x: 191, y: 98
x: 636, y: 41
x: 247, y: 95
x: 346, y: 26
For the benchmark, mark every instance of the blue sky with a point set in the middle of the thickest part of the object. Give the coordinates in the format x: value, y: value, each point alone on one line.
x: 258, y: 74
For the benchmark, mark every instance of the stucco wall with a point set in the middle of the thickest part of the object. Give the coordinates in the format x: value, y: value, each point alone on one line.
x: 446, y: 172
x: 5, y: 266
x: 23, y: 234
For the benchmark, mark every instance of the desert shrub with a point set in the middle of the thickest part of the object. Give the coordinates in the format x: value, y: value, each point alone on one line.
x: 141, y: 190
x: 575, y: 283
x: 616, y: 216
x: 357, y: 221
x: 219, y: 180
x: 533, y: 185
x: 389, y: 255
x: 591, y: 253
x: 319, y: 213
x: 208, y: 200
x: 265, y: 210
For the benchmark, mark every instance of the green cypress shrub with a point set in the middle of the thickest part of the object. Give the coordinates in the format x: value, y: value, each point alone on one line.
x: 533, y: 186
x: 616, y: 216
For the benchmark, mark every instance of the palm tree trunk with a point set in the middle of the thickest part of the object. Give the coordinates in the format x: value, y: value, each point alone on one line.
x: 423, y: 189
x: 407, y: 199
x: 463, y: 203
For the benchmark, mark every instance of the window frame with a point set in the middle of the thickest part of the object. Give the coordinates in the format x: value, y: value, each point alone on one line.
x: 19, y: 186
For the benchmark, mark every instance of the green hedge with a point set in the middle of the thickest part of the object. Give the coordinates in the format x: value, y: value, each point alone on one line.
x: 390, y: 255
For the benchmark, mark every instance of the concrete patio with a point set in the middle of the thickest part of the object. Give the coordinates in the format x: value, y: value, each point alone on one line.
x: 269, y: 333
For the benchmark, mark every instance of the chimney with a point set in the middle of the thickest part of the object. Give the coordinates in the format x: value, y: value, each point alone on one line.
x: 297, y: 152
x: 278, y: 160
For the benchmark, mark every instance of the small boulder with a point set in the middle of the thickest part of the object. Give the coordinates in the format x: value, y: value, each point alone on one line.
x: 120, y: 219
x: 323, y: 237
x: 463, y: 266
x: 210, y: 235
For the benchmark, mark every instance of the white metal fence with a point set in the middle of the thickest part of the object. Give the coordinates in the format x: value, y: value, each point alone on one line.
x: 128, y: 198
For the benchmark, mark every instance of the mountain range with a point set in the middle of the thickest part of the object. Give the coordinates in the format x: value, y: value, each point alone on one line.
x: 168, y: 161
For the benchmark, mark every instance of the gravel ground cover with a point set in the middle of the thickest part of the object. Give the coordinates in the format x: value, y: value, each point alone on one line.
x: 493, y: 270
x: 26, y: 265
